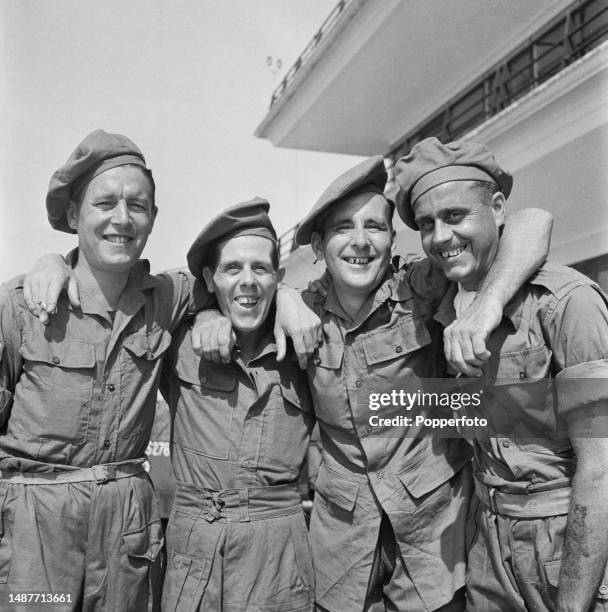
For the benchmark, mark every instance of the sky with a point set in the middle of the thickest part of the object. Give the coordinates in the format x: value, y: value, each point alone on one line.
x: 186, y: 80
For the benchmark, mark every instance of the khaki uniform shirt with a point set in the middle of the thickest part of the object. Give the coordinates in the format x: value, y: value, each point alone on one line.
x: 236, y: 425
x: 394, y: 344
x: 549, y: 357
x: 81, y: 390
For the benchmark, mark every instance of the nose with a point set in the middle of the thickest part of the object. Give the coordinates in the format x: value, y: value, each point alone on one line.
x: 442, y: 233
x: 121, y: 214
x: 359, y: 238
x: 247, y: 278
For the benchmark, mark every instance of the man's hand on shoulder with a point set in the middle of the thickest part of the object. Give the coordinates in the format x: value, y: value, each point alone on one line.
x: 44, y: 283
x: 212, y: 336
x: 296, y: 320
x: 465, y: 339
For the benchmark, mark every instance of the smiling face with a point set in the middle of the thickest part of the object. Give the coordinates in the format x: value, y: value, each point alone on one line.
x: 113, y: 218
x: 244, y: 281
x: 356, y: 243
x: 459, y: 228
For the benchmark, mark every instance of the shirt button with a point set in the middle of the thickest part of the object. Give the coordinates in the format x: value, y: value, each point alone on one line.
x: 245, y: 464
x: 506, y: 443
x: 56, y: 360
x: 603, y: 589
x: 359, y: 383
x: 380, y: 475
x: 106, y: 444
x: 398, y: 349
x: 111, y: 388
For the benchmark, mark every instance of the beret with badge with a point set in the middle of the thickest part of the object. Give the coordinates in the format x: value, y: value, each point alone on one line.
x: 245, y: 219
x: 431, y: 163
x: 369, y: 176
x: 99, y: 151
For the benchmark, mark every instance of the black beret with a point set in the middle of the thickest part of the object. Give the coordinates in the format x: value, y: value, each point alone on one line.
x: 368, y: 175
x: 431, y: 163
x: 245, y: 219
x: 98, y: 152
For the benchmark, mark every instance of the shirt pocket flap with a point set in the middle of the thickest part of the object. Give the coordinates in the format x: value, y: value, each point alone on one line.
x: 67, y: 354
x: 424, y: 472
x: 329, y: 355
x: 289, y: 393
x: 150, y: 345
x: 522, y: 366
x: 406, y: 336
x: 214, y: 376
x: 337, y: 489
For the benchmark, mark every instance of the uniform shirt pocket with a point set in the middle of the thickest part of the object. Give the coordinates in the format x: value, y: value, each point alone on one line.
x: 205, y: 411
x: 284, y: 436
x: 407, y: 334
x: 336, y: 489
x: 520, y: 393
x: 146, y: 347
x: 54, y: 392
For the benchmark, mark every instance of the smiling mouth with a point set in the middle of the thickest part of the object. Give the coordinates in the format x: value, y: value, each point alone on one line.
x: 117, y: 239
x: 247, y: 301
x: 357, y: 261
x: 452, y: 252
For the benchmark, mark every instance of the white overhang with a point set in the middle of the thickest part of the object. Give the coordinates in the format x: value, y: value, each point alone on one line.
x: 389, y: 64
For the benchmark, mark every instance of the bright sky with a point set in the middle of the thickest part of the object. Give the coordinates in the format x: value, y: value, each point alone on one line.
x: 187, y: 80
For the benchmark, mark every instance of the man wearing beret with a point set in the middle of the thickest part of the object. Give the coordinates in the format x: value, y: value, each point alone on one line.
x: 237, y: 537
x: 541, y: 541
x: 387, y: 530
x: 79, y: 515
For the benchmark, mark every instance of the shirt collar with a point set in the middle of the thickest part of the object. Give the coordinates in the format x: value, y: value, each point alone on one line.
x: 131, y: 298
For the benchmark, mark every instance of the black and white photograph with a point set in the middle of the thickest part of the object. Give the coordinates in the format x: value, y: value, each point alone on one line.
x: 304, y: 306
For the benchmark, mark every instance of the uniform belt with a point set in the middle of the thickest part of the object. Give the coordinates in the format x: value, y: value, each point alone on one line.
x: 238, y: 504
x: 536, y: 504
x: 98, y: 474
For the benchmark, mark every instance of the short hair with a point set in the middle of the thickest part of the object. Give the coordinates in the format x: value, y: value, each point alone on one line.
x: 214, y: 255
x: 486, y: 190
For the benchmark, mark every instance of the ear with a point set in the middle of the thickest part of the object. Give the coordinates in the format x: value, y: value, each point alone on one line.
x: 280, y: 275
x: 393, y: 243
x: 71, y: 214
x: 208, y: 276
x: 317, y: 245
x: 498, y: 205
x: 153, y: 214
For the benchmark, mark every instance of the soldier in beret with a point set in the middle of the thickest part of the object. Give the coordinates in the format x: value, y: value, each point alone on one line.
x: 237, y: 537
x: 387, y: 530
x: 541, y: 541
x: 80, y: 518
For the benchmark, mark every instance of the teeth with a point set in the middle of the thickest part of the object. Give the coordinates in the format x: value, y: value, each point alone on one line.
x: 452, y: 253
x: 245, y: 300
x: 117, y: 239
x: 358, y: 260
